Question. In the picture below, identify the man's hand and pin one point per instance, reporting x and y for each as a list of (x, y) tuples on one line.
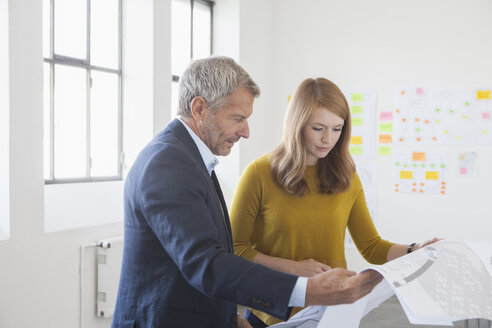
[(339, 286), (242, 323), (309, 268)]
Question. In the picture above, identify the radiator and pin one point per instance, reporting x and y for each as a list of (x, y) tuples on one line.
[(109, 256)]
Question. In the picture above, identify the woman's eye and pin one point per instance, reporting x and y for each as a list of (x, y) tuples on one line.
[(317, 129)]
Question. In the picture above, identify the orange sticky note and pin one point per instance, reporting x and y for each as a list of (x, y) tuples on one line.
[(406, 175), (356, 140), (431, 175), (483, 94), (385, 138), (418, 156)]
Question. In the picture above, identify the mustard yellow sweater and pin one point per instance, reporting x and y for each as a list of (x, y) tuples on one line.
[(266, 219)]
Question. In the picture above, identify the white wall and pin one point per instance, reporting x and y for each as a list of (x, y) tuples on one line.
[(383, 45), (39, 275), (4, 122)]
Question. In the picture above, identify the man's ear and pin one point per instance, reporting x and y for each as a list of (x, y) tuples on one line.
[(198, 106)]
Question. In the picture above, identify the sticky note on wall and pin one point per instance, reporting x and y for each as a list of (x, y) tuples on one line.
[(357, 121), (386, 127), (357, 97), (357, 110), (418, 156), (384, 151), (356, 140), (483, 94), (386, 116), (355, 150), (406, 175), (385, 138), (431, 175)]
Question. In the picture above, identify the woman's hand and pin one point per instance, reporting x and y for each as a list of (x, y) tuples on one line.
[(309, 268), (425, 243)]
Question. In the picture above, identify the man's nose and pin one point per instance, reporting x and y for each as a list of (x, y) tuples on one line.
[(244, 132)]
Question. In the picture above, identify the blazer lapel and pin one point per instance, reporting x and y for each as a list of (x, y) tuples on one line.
[(177, 128)]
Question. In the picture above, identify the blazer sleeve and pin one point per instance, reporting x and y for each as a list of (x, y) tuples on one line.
[(175, 200), (362, 230), (245, 210)]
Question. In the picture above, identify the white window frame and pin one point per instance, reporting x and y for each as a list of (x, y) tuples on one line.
[(56, 59)]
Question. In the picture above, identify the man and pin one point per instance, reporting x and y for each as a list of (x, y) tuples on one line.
[(178, 265)]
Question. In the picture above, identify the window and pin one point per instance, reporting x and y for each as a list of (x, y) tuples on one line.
[(82, 90), (191, 37)]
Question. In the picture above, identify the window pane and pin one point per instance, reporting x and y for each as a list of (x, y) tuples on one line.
[(181, 35), (104, 124), (70, 122), (201, 30), (174, 97), (47, 126), (46, 28), (104, 33), (71, 28)]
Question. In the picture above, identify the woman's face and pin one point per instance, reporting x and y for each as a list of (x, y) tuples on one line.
[(321, 133)]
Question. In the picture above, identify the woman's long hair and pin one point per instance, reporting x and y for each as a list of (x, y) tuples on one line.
[(288, 160)]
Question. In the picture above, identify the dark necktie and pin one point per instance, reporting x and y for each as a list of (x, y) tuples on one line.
[(224, 209), (221, 196)]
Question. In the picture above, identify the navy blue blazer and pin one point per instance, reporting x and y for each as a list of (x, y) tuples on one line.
[(178, 266)]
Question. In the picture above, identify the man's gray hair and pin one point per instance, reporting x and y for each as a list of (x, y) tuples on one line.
[(213, 79)]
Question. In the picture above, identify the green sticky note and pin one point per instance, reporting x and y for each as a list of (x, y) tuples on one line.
[(357, 110), (405, 165), (355, 150), (433, 165), (385, 127), (414, 165), (443, 166), (357, 97), (438, 110), (397, 163), (357, 121), (385, 151), (422, 165)]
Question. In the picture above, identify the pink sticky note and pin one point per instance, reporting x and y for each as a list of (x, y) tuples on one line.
[(386, 116), (485, 115), (463, 170), (420, 91)]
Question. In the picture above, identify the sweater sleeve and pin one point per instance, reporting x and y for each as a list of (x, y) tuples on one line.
[(244, 211), (361, 227)]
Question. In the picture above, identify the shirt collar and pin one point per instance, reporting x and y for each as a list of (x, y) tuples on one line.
[(208, 157)]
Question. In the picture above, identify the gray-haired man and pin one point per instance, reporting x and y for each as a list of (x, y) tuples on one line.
[(178, 267)]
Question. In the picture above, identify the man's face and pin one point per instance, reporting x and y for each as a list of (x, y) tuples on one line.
[(222, 128)]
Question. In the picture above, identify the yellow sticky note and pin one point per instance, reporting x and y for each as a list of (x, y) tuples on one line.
[(288, 99), (406, 175), (418, 156), (356, 140), (483, 94), (385, 127), (385, 138), (357, 97), (357, 121), (357, 110), (431, 175), (384, 151), (355, 150)]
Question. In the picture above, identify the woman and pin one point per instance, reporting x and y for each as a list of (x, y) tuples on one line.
[(292, 207)]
